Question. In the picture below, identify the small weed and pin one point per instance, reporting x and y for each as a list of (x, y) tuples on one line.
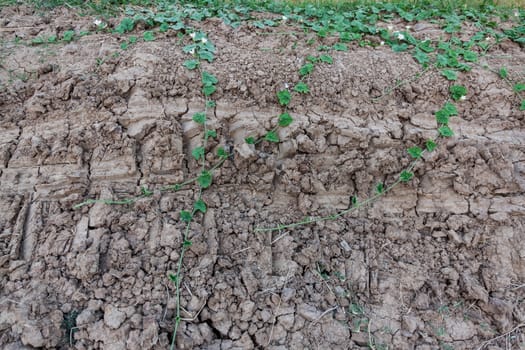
[(69, 324)]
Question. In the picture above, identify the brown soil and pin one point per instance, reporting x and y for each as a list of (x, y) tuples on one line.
[(437, 262)]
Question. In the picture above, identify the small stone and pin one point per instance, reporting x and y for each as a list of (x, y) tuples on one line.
[(422, 302), (287, 294), (265, 315), (409, 324), (308, 312), (7, 318), (460, 329), (247, 308), (113, 317), (336, 332), (85, 317), (31, 335), (360, 338)]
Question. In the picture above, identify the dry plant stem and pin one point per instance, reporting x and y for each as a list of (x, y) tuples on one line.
[(177, 284), (414, 78), (370, 340), (273, 323), (485, 343), (358, 205)]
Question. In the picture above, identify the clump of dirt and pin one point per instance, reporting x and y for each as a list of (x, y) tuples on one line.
[(437, 261)]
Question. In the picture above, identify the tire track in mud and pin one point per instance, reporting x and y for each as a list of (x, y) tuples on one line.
[(452, 234)]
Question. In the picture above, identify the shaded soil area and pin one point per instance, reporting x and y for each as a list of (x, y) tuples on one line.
[(438, 262)]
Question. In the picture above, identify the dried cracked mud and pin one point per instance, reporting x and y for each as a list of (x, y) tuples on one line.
[(438, 262)]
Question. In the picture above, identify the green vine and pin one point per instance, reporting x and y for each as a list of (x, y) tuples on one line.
[(450, 58)]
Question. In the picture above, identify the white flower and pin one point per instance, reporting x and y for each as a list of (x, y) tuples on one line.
[(97, 22), (286, 86), (400, 36), (463, 98), (516, 14), (390, 27), (284, 18), (382, 43), (192, 35), (192, 51), (408, 27), (204, 40)]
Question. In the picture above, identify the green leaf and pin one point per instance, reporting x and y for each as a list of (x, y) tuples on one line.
[(522, 106), (356, 309), (206, 55), (463, 67), (470, 56), (199, 118), (445, 131), (209, 79), (421, 57), (271, 136), (399, 47), (415, 152), (198, 152), (302, 88), (132, 39), (519, 87), (200, 205), (186, 216), (173, 278), (380, 188), (250, 140), (426, 46), (458, 91), (211, 133), (211, 104), (148, 36), (503, 73), (186, 243), (208, 90), (285, 119), (189, 48), (449, 74), (442, 116), (326, 59), (221, 153), (124, 45), (354, 200), (126, 25), (347, 36), (311, 58), (204, 180), (430, 145), (164, 27), (191, 64), (37, 41), (68, 35), (340, 47), (284, 97), (406, 176), (450, 109), (444, 61), (306, 69)]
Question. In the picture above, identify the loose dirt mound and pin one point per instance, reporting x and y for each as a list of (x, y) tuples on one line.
[(438, 262)]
